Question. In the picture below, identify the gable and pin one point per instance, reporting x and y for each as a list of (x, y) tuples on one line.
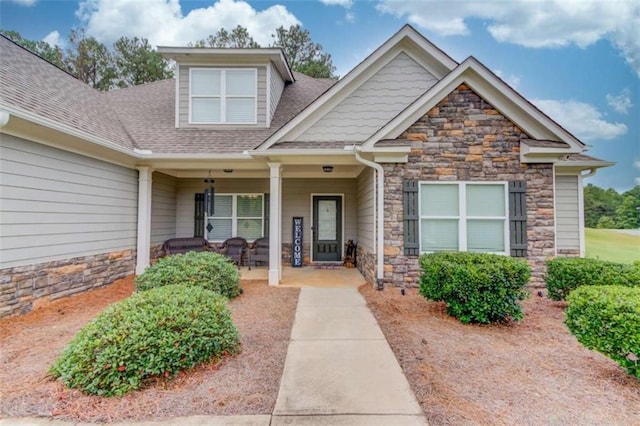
[(486, 84), (397, 84)]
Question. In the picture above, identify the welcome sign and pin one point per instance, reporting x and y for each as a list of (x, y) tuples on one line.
[(296, 255)]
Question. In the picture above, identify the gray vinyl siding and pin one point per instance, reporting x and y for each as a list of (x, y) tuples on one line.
[(163, 208), (296, 201), (366, 209), (183, 104), (58, 205), (375, 103), (567, 213), (187, 188), (277, 86)]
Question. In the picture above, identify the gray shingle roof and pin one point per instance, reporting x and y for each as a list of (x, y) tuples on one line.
[(32, 84), (147, 112), (136, 117)]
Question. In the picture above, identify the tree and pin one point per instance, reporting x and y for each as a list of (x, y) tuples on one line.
[(303, 54), (239, 37), (41, 48), (90, 61), (599, 202), (137, 63), (605, 222), (628, 212)]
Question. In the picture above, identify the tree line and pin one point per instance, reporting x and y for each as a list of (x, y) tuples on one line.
[(606, 208), (132, 60)]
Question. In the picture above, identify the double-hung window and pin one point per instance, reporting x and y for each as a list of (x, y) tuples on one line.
[(222, 96), (236, 215), (463, 216)]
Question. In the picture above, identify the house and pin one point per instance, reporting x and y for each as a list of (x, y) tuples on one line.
[(410, 152)]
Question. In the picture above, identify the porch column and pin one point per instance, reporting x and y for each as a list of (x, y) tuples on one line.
[(275, 220), (144, 218)]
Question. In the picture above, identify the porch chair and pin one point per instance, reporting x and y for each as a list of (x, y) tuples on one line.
[(259, 252), (234, 249)]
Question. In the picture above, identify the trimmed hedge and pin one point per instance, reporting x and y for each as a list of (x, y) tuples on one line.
[(477, 287), (208, 270), (565, 274), (154, 333), (607, 319)]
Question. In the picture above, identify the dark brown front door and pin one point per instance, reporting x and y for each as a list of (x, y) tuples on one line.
[(327, 228)]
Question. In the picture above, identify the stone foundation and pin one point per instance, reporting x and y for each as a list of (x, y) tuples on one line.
[(156, 253), (24, 287), (367, 265), (287, 249), (569, 252), (464, 138)]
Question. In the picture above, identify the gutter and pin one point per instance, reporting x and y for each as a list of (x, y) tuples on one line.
[(380, 213)]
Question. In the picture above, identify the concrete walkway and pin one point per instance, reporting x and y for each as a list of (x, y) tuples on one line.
[(340, 369)]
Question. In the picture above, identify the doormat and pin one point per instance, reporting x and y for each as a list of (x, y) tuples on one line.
[(330, 266)]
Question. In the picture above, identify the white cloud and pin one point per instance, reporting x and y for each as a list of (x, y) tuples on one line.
[(621, 103), (583, 120), (53, 38), (551, 23), (343, 3), (25, 2), (162, 21), (350, 17), (511, 79)]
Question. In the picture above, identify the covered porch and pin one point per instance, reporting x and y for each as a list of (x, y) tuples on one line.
[(308, 202)]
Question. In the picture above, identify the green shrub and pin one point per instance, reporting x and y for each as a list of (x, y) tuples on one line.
[(476, 287), (565, 274), (607, 319), (205, 269), (154, 333)]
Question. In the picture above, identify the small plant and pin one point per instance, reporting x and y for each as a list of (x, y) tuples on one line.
[(152, 334), (477, 287), (607, 319), (565, 274), (208, 270)]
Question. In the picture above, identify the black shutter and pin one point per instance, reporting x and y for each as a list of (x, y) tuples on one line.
[(198, 216), (518, 218), (266, 214), (411, 231)]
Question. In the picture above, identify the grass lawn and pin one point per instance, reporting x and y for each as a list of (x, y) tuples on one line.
[(609, 244)]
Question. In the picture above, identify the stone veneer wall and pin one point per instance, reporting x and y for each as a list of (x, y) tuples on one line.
[(367, 265), (464, 138), (568, 252), (22, 288)]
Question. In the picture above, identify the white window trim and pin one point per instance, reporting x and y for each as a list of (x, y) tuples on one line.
[(223, 96), (234, 214), (462, 207)]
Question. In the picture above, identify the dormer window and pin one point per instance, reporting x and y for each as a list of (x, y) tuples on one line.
[(222, 96)]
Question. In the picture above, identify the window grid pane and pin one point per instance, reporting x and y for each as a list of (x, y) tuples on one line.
[(250, 206), (485, 200), (205, 83), (205, 110), (221, 229), (240, 83), (439, 200), (439, 234), (485, 235), (241, 110), (250, 229), (223, 206)]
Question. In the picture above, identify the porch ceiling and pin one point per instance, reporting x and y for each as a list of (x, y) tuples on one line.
[(288, 171)]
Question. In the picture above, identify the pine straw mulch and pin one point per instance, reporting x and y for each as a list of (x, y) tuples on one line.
[(531, 372), (243, 384)]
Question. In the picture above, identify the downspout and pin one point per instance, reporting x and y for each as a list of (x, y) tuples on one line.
[(380, 215)]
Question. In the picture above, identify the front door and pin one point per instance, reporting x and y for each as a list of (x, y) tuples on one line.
[(327, 228)]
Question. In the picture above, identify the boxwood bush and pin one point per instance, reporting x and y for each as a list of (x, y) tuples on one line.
[(607, 319), (154, 333), (476, 287), (208, 270), (565, 274)]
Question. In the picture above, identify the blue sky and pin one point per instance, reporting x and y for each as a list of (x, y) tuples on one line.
[(578, 60)]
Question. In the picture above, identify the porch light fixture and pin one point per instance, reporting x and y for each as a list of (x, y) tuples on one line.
[(327, 169), (227, 170), (209, 196)]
